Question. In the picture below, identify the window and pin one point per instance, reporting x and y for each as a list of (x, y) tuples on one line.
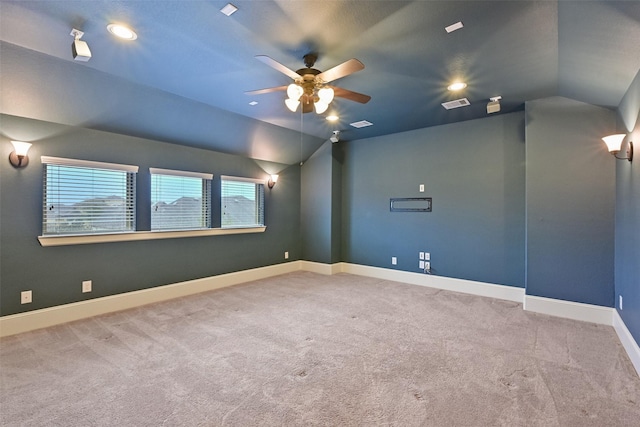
[(180, 200), (242, 202), (84, 197)]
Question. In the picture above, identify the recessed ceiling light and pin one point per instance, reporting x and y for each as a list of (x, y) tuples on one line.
[(361, 124), (122, 31), (451, 28), (332, 118), (253, 103), (457, 86), (229, 9)]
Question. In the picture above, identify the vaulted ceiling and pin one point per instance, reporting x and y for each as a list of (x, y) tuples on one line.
[(184, 79)]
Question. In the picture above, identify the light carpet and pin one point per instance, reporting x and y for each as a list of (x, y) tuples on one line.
[(304, 349)]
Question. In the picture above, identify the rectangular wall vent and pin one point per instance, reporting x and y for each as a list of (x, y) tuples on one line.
[(462, 102)]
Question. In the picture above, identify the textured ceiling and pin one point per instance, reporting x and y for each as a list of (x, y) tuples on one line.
[(183, 80)]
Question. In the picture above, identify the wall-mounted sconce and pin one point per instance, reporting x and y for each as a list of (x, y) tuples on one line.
[(272, 181), (18, 157), (614, 143)]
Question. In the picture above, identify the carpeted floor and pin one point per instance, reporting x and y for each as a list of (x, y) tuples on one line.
[(310, 350)]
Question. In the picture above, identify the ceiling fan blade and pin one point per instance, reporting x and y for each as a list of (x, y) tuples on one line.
[(277, 66), (350, 95), (344, 69), (267, 90)]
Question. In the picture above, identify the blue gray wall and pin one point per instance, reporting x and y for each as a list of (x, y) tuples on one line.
[(627, 265), (315, 220), (474, 171), (321, 205), (55, 274), (570, 201)]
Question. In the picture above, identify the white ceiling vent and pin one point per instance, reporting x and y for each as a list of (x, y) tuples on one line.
[(462, 102), (453, 27), (361, 124)]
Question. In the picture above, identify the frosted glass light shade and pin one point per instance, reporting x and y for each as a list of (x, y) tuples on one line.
[(292, 104), (614, 142), (321, 107), (21, 148), (326, 95), (294, 91)]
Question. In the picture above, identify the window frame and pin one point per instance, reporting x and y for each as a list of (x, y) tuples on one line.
[(130, 215), (206, 205), (260, 195)]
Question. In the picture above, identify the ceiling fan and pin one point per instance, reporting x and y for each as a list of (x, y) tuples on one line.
[(310, 87)]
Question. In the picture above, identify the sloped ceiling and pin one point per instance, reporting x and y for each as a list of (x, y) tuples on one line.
[(183, 80)]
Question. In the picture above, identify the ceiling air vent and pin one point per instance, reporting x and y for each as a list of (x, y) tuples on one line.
[(462, 102), (361, 124)]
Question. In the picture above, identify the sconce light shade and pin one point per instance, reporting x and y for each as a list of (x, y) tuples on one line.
[(18, 158), (614, 144), (272, 181)]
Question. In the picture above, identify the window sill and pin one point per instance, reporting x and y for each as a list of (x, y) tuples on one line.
[(141, 235)]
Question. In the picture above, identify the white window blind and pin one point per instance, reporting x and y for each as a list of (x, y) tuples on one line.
[(85, 197), (180, 200), (242, 202)]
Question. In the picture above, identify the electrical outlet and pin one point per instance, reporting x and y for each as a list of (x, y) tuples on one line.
[(427, 256), (620, 299), (394, 260), (422, 188), (86, 286), (26, 297), (286, 255)]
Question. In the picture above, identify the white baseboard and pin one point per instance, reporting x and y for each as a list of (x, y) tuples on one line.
[(320, 268), (569, 310), (37, 319), (508, 293), (629, 344)]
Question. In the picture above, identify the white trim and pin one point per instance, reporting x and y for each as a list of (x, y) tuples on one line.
[(569, 310), (87, 164), (243, 179), (321, 268), (142, 235), (629, 344), (171, 172), (509, 293), (37, 319)]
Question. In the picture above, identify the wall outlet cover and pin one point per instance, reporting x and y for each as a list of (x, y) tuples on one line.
[(26, 297), (86, 286)]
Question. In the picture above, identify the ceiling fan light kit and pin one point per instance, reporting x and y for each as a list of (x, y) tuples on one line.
[(310, 86)]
